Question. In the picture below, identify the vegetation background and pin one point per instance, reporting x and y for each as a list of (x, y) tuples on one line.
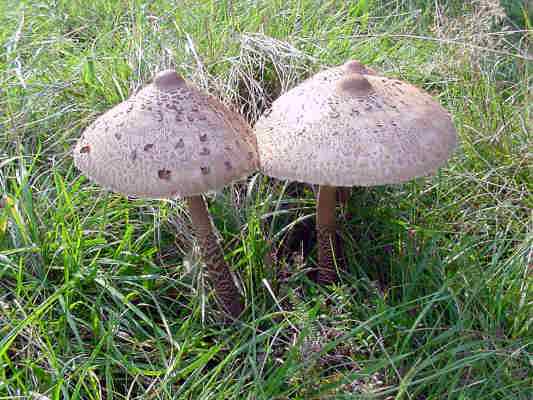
[(102, 297)]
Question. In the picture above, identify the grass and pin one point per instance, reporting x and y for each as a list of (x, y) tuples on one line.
[(103, 297)]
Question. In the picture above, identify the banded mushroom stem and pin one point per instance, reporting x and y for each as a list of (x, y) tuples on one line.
[(213, 256), (326, 228)]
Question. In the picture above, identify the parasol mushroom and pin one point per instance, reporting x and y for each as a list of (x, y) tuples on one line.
[(171, 140), (347, 126)]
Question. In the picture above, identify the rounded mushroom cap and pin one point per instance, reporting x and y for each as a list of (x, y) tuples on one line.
[(168, 140), (348, 126)]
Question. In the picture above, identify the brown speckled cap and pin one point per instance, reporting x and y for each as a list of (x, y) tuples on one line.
[(348, 126), (169, 140)]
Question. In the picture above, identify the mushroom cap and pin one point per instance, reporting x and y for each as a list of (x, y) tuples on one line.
[(348, 126), (168, 140)]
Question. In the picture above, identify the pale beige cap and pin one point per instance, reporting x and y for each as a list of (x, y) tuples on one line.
[(169, 140), (348, 126)]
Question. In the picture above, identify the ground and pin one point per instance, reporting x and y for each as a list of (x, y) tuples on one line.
[(103, 297)]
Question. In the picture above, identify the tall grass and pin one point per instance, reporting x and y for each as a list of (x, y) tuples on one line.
[(103, 297)]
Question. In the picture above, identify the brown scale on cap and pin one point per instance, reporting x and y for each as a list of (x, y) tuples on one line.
[(164, 174)]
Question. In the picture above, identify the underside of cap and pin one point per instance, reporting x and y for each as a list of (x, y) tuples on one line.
[(167, 143), (344, 128)]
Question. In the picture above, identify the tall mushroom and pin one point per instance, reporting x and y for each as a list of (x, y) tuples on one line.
[(170, 140), (346, 126)]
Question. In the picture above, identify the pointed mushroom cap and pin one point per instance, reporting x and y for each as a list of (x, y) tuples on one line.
[(168, 140), (348, 126)]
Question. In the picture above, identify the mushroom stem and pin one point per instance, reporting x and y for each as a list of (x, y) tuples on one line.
[(219, 273), (343, 196), (326, 234)]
